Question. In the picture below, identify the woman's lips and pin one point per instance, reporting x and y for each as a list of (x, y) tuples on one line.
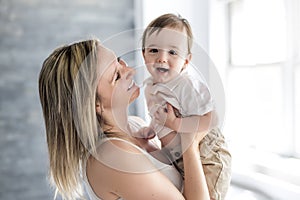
[(131, 85)]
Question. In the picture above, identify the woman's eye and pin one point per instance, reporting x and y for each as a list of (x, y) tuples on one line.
[(118, 76), (153, 50), (172, 52)]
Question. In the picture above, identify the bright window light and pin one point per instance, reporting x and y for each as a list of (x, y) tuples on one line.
[(258, 32)]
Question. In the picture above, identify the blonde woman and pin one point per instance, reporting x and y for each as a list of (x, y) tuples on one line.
[(85, 92)]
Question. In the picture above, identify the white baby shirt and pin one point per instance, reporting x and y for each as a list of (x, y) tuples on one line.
[(189, 95)]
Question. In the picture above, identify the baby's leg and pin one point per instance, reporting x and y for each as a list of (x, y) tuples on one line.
[(216, 162)]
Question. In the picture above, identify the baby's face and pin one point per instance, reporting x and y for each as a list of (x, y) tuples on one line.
[(166, 54)]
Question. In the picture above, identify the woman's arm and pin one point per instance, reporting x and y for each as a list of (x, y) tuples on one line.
[(195, 182)]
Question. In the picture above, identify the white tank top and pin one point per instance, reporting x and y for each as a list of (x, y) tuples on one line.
[(168, 170)]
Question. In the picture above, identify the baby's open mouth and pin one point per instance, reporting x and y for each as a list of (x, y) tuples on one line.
[(161, 69)]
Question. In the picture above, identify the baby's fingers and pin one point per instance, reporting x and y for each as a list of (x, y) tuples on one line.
[(160, 115), (169, 108)]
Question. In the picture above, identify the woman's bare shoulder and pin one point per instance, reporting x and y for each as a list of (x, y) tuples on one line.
[(123, 156), (123, 166)]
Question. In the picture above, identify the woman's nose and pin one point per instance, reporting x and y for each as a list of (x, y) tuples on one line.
[(129, 72), (122, 62)]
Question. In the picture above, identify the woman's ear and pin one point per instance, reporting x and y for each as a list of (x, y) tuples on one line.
[(98, 107)]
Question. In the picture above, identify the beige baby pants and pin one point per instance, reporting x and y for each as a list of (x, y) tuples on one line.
[(216, 162)]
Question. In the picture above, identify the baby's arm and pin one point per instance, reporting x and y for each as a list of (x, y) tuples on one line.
[(195, 123)]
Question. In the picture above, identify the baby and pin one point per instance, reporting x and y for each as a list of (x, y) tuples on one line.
[(166, 48)]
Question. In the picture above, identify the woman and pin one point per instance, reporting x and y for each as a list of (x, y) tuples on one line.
[(85, 92)]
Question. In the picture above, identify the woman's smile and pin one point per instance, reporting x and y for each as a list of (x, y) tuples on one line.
[(131, 84)]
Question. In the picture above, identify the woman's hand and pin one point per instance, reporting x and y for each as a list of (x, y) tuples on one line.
[(144, 133)]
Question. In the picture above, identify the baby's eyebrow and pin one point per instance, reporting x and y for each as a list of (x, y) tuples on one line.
[(174, 47), (151, 46)]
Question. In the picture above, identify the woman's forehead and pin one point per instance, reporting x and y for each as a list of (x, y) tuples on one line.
[(105, 59)]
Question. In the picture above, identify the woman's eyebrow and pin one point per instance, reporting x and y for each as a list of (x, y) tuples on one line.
[(115, 71)]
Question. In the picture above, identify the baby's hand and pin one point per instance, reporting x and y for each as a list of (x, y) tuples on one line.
[(166, 116), (145, 132)]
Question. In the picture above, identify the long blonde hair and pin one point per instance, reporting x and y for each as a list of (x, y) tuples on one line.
[(67, 88)]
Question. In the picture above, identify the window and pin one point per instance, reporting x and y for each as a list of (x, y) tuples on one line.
[(297, 105), (258, 32), (263, 77)]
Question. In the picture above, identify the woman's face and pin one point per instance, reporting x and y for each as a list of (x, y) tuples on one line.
[(116, 87)]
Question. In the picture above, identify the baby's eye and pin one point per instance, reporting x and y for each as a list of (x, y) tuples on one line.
[(172, 52), (153, 50)]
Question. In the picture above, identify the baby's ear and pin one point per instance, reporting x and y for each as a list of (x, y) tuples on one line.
[(187, 60)]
